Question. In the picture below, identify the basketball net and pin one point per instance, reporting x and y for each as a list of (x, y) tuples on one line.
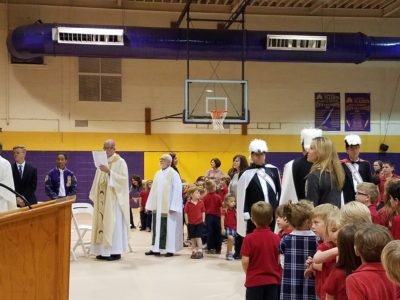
[(218, 117)]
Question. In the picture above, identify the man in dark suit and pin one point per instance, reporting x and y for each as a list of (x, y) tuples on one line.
[(25, 176), (356, 170)]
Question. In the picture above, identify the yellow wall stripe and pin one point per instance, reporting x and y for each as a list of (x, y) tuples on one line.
[(78, 141)]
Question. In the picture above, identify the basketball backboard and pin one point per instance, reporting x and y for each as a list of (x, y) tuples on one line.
[(203, 96)]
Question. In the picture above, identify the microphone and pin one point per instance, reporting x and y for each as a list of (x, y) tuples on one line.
[(27, 203)]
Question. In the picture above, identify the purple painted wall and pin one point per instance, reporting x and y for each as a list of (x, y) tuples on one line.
[(80, 162)]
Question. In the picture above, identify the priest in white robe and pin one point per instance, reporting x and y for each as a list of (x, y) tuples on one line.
[(166, 203), (110, 195), (8, 200)]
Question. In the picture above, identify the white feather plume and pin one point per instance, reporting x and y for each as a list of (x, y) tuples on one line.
[(307, 134), (353, 139), (258, 146)]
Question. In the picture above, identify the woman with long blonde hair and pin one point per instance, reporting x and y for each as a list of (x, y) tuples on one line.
[(325, 181)]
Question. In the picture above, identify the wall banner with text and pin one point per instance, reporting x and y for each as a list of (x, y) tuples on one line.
[(357, 112), (327, 111)]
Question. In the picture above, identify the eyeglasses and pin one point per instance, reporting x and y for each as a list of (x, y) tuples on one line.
[(361, 193), (108, 148)]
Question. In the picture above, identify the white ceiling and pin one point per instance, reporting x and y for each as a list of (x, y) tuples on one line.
[(338, 8)]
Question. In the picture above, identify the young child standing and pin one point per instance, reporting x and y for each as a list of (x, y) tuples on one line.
[(260, 256), (228, 223), (391, 261), (297, 246), (369, 281), (213, 204), (394, 198), (367, 194), (325, 217), (281, 222), (195, 217), (348, 261), (145, 215)]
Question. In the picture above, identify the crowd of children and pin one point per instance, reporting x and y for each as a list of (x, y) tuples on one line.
[(320, 252), (327, 252)]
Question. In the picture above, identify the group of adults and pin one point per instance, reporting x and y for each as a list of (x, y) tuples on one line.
[(21, 177), (318, 175)]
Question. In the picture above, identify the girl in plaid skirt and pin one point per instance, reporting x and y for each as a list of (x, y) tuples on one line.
[(296, 247)]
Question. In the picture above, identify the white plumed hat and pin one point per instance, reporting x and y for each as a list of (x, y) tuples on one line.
[(308, 134), (258, 146), (352, 140)]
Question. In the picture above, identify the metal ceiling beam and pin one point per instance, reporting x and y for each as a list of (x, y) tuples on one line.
[(391, 9), (240, 9), (183, 14), (316, 6)]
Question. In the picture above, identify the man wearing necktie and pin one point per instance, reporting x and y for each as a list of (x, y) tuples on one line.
[(25, 176), (357, 170)]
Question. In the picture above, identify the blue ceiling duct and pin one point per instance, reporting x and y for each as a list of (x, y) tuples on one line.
[(27, 42)]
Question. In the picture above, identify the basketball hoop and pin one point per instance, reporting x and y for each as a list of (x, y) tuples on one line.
[(218, 117)]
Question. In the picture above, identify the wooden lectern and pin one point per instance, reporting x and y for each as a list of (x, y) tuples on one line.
[(35, 252)]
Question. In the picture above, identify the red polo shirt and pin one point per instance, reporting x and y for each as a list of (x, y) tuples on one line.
[(327, 266), (230, 218), (213, 204), (374, 214), (262, 247), (396, 228), (335, 284), (369, 281), (194, 212)]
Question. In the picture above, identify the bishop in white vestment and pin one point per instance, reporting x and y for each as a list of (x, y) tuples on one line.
[(165, 202)]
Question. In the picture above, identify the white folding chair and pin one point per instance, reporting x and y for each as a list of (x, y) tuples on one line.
[(78, 210)]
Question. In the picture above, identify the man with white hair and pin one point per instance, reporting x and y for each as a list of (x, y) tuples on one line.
[(356, 169), (110, 195), (295, 171), (166, 203), (260, 182)]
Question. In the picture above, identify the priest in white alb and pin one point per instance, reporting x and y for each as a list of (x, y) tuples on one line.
[(8, 200), (165, 202), (110, 195)]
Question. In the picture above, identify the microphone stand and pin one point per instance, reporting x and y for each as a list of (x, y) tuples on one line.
[(27, 203)]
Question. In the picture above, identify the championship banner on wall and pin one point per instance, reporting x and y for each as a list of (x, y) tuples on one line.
[(357, 112), (327, 111)]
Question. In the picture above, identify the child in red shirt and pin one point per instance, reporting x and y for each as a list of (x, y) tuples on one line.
[(228, 224), (145, 215), (325, 219), (391, 262), (394, 196), (369, 281), (367, 194), (260, 255), (213, 203), (195, 217), (281, 222), (348, 261), (222, 186)]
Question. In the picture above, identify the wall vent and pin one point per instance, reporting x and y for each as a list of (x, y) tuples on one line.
[(81, 123), (296, 42), (88, 36)]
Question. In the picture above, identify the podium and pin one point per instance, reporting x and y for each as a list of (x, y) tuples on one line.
[(35, 252)]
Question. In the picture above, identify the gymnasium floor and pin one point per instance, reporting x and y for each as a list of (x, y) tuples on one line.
[(137, 276)]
